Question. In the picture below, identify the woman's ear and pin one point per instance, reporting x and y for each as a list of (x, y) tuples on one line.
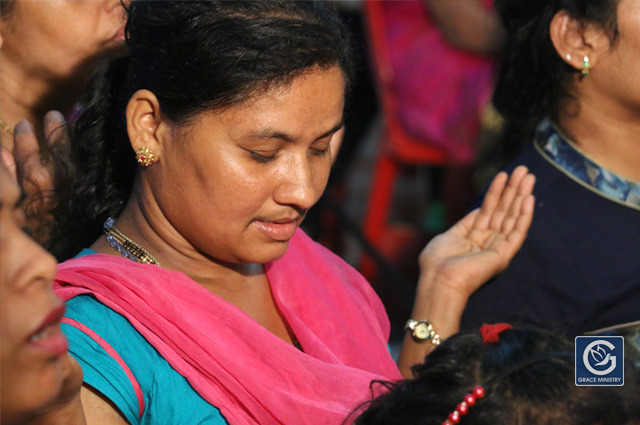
[(574, 40), (146, 125)]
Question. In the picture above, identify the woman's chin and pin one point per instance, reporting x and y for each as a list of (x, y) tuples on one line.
[(267, 253), (30, 400)]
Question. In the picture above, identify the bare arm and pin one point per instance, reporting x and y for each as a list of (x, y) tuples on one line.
[(456, 263), (466, 24)]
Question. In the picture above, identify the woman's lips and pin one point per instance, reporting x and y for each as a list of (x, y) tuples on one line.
[(279, 230), (49, 337)]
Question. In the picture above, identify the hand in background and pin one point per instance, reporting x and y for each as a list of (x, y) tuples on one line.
[(37, 166), (456, 263), (483, 243)]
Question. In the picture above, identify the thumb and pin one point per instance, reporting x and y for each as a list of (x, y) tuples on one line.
[(9, 161)]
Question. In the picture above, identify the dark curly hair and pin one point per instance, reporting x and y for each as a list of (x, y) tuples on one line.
[(195, 56), (533, 79), (528, 377)]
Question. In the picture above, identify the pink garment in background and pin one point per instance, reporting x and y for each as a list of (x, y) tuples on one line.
[(235, 364), (441, 90)]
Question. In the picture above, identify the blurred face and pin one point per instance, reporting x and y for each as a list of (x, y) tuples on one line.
[(62, 38), (236, 184), (31, 342), (615, 74)]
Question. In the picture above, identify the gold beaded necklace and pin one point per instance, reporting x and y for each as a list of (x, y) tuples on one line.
[(125, 246)]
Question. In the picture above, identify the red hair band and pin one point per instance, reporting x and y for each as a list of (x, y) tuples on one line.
[(491, 333)]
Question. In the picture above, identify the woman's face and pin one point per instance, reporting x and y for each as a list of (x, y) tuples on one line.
[(32, 345), (57, 39), (237, 183), (615, 75)]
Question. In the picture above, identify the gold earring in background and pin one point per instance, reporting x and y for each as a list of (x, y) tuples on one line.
[(145, 157)]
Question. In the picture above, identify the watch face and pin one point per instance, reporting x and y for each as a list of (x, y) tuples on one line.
[(421, 331)]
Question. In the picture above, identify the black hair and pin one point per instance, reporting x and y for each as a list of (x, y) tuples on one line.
[(6, 6), (533, 80), (528, 376), (195, 56)]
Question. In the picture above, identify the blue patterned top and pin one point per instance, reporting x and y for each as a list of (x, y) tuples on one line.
[(567, 157)]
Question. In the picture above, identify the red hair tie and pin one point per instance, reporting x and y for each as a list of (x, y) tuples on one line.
[(491, 333)]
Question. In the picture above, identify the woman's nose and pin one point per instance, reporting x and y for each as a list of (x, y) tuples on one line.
[(296, 186)]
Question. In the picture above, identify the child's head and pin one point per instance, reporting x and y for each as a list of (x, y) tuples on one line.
[(528, 376)]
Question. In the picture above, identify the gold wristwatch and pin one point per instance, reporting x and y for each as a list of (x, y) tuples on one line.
[(422, 331)]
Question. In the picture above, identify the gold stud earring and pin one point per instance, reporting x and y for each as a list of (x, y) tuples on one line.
[(585, 66), (145, 157)]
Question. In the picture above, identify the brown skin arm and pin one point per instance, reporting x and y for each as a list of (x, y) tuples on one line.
[(467, 25), (456, 263)]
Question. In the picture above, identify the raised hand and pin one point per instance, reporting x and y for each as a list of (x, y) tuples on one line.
[(482, 243), (456, 263), (37, 169)]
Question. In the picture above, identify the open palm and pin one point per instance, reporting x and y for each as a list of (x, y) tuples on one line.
[(483, 242)]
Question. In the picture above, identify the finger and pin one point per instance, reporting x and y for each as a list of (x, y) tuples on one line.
[(9, 161), (507, 197), (515, 238), (25, 146), (32, 174), (491, 199), (56, 133), (515, 210), (526, 215)]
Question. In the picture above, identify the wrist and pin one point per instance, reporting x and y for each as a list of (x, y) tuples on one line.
[(441, 304)]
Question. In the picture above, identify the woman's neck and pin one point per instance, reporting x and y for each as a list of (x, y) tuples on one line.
[(28, 95), (143, 222), (607, 133), (244, 285)]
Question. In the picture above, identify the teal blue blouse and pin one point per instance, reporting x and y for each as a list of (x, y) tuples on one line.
[(167, 396)]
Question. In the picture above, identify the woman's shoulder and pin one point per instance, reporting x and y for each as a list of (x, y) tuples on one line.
[(121, 364)]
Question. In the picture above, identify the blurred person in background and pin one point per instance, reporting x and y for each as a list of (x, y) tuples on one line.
[(48, 51), (442, 54), (39, 380), (569, 92)]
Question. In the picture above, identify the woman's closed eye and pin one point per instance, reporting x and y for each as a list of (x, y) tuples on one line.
[(320, 149), (262, 156)]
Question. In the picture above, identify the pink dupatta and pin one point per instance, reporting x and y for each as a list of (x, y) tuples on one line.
[(248, 373)]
